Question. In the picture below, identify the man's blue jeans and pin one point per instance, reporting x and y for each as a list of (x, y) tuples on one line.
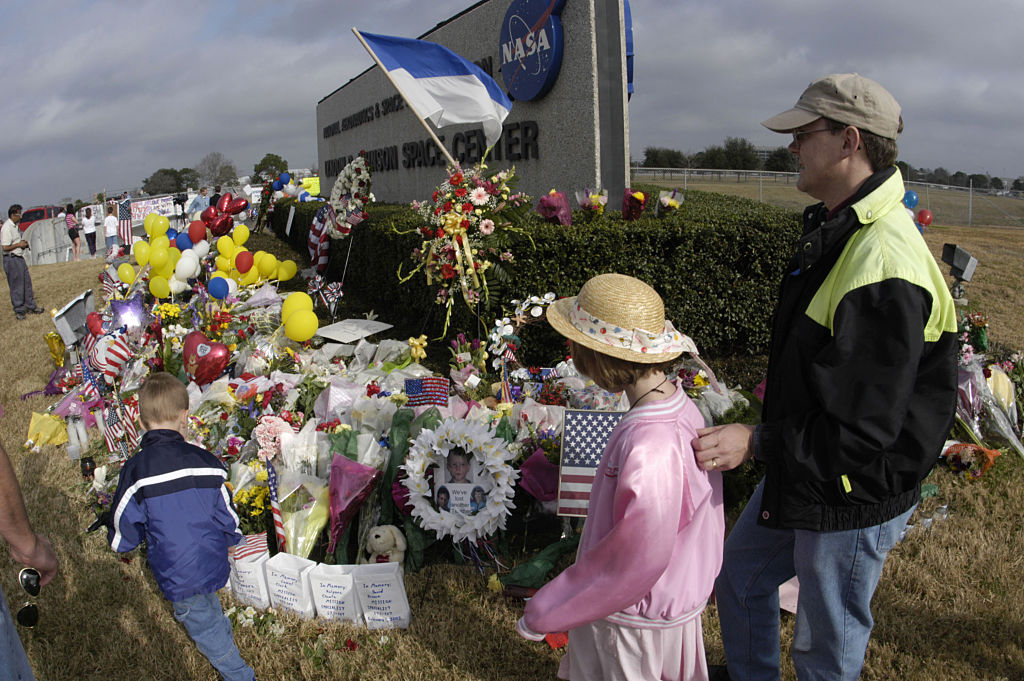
[(205, 622), (838, 573)]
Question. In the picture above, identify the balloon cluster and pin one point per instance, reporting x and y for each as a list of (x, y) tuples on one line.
[(236, 265), (285, 185), (173, 257), (220, 218), (300, 322), (923, 217)]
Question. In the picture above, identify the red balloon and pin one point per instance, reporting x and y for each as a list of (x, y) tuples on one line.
[(197, 231), (208, 215), (924, 217), (95, 323), (243, 261), (204, 360), (224, 201), (236, 206), (221, 224)]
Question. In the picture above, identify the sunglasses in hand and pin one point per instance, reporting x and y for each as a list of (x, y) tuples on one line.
[(28, 614)]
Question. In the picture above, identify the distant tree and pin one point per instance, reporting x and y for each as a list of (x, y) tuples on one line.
[(906, 170), (958, 179), (939, 176), (740, 154), (215, 168), (269, 167), (979, 181), (781, 160), (996, 183), (712, 157), (163, 181), (1018, 184), (187, 177)]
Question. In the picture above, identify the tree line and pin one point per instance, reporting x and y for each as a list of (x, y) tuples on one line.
[(211, 170), (737, 153)]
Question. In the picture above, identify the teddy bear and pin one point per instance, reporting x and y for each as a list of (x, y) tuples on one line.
[(385, 544)]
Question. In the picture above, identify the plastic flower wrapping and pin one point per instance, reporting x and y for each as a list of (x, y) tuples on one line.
[(633, 203), (554, 207), (669, 201), (592, 202)]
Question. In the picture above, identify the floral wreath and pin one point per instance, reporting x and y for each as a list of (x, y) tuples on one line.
[(349, 196), (431, 448)]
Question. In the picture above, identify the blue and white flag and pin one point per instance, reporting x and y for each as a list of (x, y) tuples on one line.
[(442, 86)]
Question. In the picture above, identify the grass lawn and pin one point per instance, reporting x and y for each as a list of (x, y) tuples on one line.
[(948, 608)]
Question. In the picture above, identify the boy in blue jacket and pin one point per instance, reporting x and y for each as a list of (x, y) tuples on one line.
[(172, 495)]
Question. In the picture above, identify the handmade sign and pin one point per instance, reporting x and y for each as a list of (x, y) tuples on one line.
[(249, 581), (334, 593), (382, 595), (288, 583)]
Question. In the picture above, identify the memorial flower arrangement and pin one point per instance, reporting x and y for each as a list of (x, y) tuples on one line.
[(592, 202), (349, 196), (462, 219), (669, 201), (633, 204)]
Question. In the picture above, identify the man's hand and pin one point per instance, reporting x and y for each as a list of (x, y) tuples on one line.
[(40, 556), (722, 448)]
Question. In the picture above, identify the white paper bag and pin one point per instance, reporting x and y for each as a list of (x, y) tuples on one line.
[(288, 583), (249, 582), (334, 593), (381, 592)]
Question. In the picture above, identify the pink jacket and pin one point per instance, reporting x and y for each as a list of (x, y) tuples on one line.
[(652, 543)]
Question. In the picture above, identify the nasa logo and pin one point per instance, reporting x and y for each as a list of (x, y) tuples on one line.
[(531, 47)]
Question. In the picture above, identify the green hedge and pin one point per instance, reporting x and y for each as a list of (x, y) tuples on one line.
[(716, 262)]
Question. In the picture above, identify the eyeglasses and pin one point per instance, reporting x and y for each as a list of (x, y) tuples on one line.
[(799, 135), (28, 615)]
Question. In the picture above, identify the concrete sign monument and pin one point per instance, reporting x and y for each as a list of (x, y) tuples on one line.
[(562, 62)]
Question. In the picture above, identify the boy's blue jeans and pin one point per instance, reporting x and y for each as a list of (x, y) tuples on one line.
[(838, 573), (205, 622), (13, 662)]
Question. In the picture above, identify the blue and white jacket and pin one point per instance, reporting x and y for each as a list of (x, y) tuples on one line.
[(172, 494)]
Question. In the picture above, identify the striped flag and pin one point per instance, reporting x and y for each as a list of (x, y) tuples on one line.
[(251, 545), (118, 352), (124, 221), (130, 408), (113, 429), (275, 508), (584, 437), (429, 390), (319, 243), (90, 388)]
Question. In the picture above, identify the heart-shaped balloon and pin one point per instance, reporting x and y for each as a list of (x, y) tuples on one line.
[(221, 224), (236, 206), (204, 359), (94, 321), (224, 201), (208, 215)]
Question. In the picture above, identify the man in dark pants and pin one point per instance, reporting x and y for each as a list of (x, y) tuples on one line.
[(18, 278), (861, 393)]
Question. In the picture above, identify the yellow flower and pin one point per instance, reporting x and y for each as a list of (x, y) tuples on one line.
[(639, 196)]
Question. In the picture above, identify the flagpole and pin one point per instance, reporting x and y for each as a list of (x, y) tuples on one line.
[(407, 102)]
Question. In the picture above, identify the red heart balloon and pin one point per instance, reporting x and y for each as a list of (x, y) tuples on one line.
[(224, 201), (222, 224), (94, 321), (236, 206), (204, 360), (197, 231), (208, 215)]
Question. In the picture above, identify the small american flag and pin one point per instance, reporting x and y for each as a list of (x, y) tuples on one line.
[(90, 389), (110, 286), (319, 243), (113, 432), (429, 390), (124, 221), (130, 409), (584, 437), (275, 508), (251, 545)]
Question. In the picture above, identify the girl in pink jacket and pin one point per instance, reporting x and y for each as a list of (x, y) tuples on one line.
[(652, 543)]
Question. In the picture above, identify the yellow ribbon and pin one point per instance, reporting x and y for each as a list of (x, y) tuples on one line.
[(418, 347)]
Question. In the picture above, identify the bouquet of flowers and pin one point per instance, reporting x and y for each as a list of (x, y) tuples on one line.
[(592, 202), (554, 207), (975, 326), (668, 201), (633, 204), (469, 353), (461, 220)]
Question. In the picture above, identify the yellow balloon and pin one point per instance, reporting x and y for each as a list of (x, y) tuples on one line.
[(147, 224), (240, 235), (223, 264), (175, 255), (256, 257), (160, 225), (167, 270), (267, 264), (159, 287), (158, 256), (250, 277), (126, 273), (299, 300), (141, 251), (286, 269), (158, 241), (225, 246), (301, 325)]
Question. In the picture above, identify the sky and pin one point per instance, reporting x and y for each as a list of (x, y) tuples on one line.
[(97, 95)]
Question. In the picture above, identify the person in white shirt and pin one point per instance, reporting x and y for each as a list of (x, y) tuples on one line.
[(18, 279), (89, 230), (110, 229)]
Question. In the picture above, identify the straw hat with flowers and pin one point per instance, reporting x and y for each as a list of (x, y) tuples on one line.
[(622, 317)]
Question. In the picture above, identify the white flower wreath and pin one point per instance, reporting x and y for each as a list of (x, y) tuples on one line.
[(348, 196), (490, 455)]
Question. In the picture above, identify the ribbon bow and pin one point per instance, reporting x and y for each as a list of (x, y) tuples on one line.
[(418, 347)]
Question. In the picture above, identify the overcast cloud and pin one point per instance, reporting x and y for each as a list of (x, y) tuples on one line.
[(98, 95)]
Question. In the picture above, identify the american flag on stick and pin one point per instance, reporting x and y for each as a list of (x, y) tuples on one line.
[(319, 243), (275, 508), (251, 545), (584, 437), (124, 221)]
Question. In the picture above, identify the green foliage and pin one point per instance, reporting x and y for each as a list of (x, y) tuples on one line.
[(781, 160), (169, 181), (659, 157), (717, 262), (269, 167)]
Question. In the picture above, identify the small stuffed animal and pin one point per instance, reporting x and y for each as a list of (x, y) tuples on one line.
[(386, 544)]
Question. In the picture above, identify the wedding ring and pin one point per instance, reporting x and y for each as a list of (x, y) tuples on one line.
[(714, 462)]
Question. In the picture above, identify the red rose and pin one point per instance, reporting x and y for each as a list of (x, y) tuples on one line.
[(440, 233), (467, 208), (447, 271), (447, 206), (460, 192), (435, 196), (464, 224), (455, 179)]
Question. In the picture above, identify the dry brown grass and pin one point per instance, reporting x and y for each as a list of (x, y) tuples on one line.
[(948, 607)]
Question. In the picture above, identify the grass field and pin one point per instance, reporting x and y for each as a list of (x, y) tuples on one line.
[(948, 608)]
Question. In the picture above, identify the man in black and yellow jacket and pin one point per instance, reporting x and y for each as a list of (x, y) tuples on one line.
[(861, 393)]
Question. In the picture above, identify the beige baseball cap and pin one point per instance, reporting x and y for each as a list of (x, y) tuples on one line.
[(846, 98)]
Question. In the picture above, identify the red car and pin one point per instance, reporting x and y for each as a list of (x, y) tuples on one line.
[(30, 215)]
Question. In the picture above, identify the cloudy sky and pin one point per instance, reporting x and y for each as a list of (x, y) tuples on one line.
[(96, 95)]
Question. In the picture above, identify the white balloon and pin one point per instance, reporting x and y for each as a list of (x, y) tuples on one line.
[(232, 286), (278, 195), (292, 189), (186, 267), (177, 285), (201, 249)]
